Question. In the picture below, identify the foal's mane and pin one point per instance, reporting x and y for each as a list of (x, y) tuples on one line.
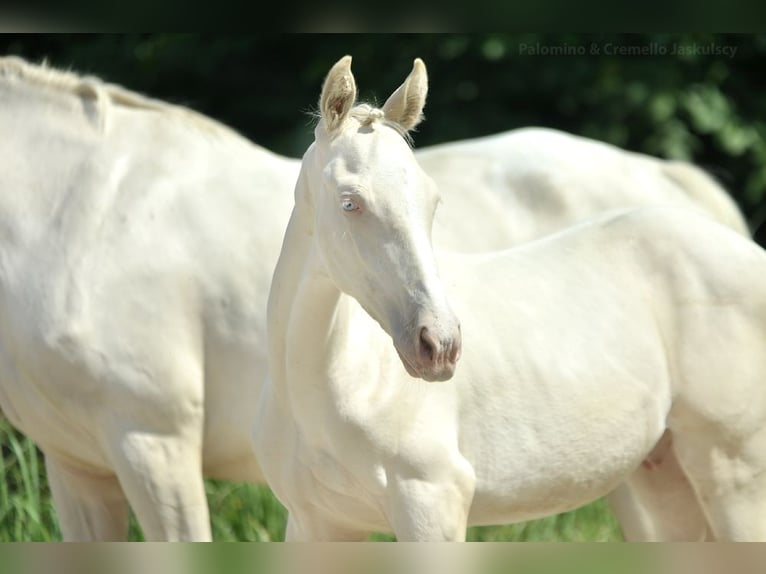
[(367, 114), (102, 93)]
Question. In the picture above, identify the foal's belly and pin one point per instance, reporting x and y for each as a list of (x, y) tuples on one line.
[(549, 481), (578, 452), (541, 492)]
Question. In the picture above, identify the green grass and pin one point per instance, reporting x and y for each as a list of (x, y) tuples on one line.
[(26, 509), (240, 512)]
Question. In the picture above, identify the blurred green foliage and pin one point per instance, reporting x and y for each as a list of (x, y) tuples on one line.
[(689, 96)]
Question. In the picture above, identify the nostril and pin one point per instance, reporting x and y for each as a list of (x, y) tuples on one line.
[(427, 345), (457, 347), (454, 355)]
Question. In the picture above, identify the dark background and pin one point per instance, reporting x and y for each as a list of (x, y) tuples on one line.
[(702, 105)]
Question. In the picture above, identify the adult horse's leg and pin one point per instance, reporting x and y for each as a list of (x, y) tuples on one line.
[(90, 507), (162, 478), (657, 503)]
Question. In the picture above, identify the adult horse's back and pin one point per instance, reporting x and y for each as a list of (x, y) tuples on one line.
[(526, 183), (131, 239)]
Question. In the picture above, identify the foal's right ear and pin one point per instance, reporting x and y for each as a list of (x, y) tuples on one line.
[(405, 105), (338, 94)]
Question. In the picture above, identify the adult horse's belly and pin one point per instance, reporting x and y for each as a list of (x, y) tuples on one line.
[(53, 404)]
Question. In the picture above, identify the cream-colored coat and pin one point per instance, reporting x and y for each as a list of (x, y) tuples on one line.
[(573, 357), (137, 244)]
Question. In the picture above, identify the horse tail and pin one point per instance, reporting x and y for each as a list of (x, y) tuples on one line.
[(706, 192)]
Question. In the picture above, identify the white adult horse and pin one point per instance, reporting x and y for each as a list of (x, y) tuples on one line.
[(134, 272), (513, 187), (137, 244), (579, 352)]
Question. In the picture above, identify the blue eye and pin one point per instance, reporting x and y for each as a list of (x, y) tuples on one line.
[(348, 205)]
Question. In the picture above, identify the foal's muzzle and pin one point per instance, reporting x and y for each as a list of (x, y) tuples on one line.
[(436, 352)]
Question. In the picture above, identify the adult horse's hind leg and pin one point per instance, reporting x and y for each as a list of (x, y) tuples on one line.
[(657, 503), (90, 507), (162, 478)]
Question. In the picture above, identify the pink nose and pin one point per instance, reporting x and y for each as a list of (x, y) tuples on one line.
[(438, 354)]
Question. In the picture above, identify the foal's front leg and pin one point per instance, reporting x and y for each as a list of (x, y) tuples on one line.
[(432, 508)]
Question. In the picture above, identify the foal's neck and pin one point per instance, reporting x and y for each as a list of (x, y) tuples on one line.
[(302, 302)]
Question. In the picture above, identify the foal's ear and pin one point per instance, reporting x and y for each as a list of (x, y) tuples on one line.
[(338, 94), (405, 105)]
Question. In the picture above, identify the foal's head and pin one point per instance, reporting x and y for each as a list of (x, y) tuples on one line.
[(374, 207)]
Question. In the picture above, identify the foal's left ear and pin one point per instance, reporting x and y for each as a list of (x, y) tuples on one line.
[(338, 94), (405, 105)]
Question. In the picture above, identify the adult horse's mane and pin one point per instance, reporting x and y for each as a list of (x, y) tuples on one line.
[(102, 93)]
